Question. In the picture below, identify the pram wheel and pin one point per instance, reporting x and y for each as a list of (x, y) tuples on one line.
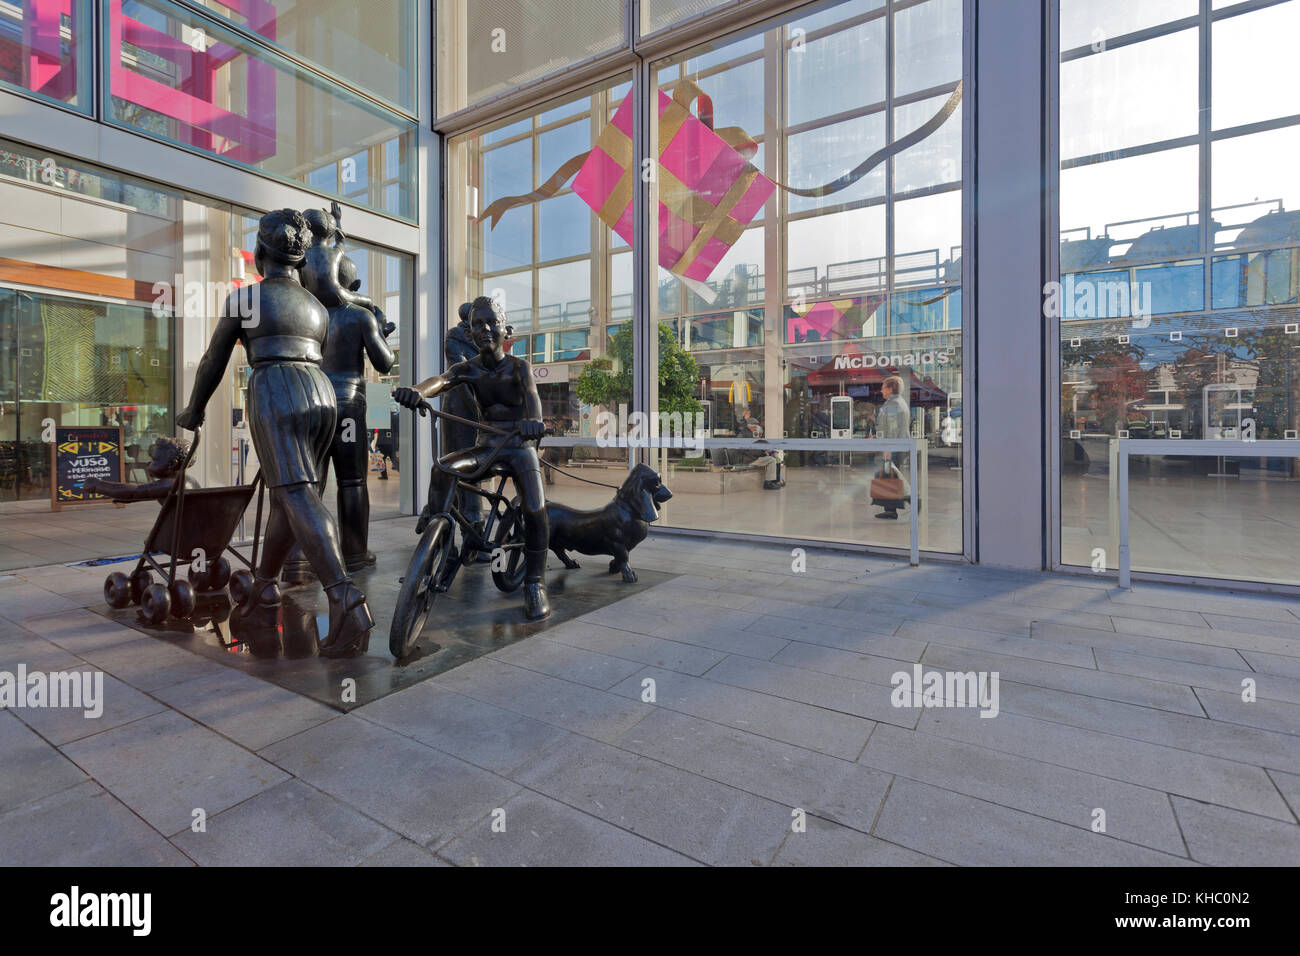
[(218, 574), (117, 590), (155, 605), (140, 582), (182, 598), (241, 585), (213, 577)]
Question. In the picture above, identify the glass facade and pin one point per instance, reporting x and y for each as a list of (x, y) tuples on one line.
[(801, 182), (110, 288), (1180, 271), (809, 198), (45, 50), (176, 76), (521, 231), (370, 45), (787, 292), (486, 47)]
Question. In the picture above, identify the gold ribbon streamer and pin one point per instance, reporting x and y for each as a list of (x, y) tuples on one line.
[(686, 93)]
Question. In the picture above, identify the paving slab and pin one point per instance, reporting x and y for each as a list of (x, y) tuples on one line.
[(33, 769), (1134, 814), (641, 648), (403, 852), (1222, 837), (805, 725), (593, 668), (1267, 714), (843, 695), (482, 734), (604, 715), (82, 826), (1079, 680), (701, 819), (150, 665), (290, 824), (1223, 782), (535, 830), (251, 712), (424, 794), (119, 704), (1200, 735), (950, 636), (166, 766), (971, 832), (1267, 686), (828, 844), (1210, 654), (829, 787)]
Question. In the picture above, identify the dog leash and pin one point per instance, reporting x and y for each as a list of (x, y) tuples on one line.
[(590, 481)]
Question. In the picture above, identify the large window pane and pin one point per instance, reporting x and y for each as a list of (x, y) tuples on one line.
[(806, 304), (184, 80), (372, 45), (1178, 303), (533, 209), (45, 49), (657, 14), (486, 47)]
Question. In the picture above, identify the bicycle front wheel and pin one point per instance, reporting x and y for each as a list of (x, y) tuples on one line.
[(418, 587)]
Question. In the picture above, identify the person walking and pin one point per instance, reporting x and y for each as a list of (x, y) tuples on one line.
[(892, 421)]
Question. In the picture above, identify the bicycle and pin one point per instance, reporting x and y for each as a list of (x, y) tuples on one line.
[(436, 561)]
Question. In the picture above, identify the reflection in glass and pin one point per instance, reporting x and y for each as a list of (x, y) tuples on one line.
[(220, 94), (1178, 304), (45, 49), (812, 304)]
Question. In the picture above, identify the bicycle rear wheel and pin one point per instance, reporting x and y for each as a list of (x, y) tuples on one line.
[(508, 549), (418, 591)]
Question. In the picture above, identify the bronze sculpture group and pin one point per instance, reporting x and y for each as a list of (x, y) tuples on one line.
[(307, 333), (293, 415)]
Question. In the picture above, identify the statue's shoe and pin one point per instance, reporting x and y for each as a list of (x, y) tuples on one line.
[(355, 562), (262, 606), (537, 606), (350, 621)]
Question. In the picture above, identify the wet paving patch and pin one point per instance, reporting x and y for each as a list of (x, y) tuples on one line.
[(471, 619)]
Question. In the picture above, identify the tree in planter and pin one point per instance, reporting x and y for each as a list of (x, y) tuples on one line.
[(607, 380)]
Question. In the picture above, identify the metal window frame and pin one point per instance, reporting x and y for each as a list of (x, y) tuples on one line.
[(1123, 448), (638, 57), (321, 69), (269, 55), (1203, 21)]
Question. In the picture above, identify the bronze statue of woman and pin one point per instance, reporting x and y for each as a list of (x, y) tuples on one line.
[(292, 415)]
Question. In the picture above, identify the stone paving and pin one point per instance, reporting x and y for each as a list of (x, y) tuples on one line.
[(771, 695)]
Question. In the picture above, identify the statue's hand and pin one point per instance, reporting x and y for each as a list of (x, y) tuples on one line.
[(532, 428), (389, 328), (408, 397), (190, 419)]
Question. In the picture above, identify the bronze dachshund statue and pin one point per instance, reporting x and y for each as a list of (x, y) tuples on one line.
[(614, 529)]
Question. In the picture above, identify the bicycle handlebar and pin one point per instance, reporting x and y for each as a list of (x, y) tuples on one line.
[(425, 408)]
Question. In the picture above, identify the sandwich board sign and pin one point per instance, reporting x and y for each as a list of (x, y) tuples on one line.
[(79, 453)]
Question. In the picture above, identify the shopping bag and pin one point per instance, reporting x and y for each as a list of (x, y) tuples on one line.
[(888, 486)]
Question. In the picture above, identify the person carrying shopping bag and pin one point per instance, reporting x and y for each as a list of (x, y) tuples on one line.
[(888, 488)]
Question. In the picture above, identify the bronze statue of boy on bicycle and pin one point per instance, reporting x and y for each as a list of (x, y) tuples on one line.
[(507, 396)]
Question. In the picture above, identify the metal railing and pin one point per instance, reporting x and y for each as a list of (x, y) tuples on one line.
[(1122, 448), (916, 449)]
